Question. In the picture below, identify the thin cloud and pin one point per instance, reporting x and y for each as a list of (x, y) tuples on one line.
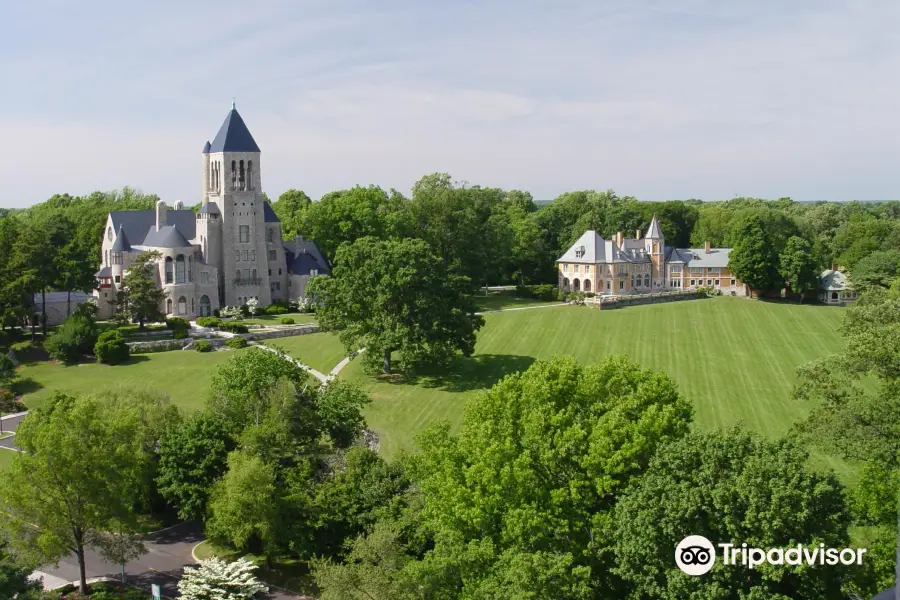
[(684, 98)]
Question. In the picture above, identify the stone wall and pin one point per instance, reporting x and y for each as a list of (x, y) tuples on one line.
[(280, 333)]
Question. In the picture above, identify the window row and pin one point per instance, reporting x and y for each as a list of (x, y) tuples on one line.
[(179, 270), (245, 256)]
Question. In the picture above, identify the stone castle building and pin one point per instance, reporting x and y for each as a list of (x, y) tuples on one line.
[(643, 264), (227, 252)]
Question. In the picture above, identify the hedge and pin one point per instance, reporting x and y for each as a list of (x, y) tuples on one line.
[(111, 348), (234, 327), (287, 321), (178, 323), (203, 346), (236, 342), (209, 322)]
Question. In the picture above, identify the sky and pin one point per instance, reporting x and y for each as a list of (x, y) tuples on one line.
[(657, 99)]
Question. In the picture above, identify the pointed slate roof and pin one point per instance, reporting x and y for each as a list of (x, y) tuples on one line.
[(210, 208), (166, 237), (269, 213), (590, 248), (233, 136), (654, 232), (206, 147), (121, 244), (138, 222)]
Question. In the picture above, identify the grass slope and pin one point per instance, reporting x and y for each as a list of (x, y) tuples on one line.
[(321, 351), (734, 359), (183, 374)]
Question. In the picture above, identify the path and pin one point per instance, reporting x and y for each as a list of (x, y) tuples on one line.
[(169, 551), (321, 377), (10, 423)]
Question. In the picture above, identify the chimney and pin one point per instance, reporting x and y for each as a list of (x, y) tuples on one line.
[(179, 205), (637, 234), (619, 238), (708, 247), (834, 266), (160, 215)]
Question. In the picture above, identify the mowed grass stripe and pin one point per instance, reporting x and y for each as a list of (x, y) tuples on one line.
[(734, 359)]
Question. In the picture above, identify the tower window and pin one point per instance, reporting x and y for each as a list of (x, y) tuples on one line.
[(270, 235), (241, 180), (271, 255), (179, 269), (233, 175), (243, 234), (249, 174), (169, 276)]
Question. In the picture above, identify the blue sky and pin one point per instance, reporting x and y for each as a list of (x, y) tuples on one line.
[(656, 99)]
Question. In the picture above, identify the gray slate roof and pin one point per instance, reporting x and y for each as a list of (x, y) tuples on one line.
[(206, 147), (104, 272), (303, 256), (210, 208), (589, 248), (697, 257), (137, 223), (834, 281), (592, 248), (166, 237), (121, 244), (654, 232), (269, 213), (233, 136)]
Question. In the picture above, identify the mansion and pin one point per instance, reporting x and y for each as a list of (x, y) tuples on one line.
[(229, 251), (641, 265)]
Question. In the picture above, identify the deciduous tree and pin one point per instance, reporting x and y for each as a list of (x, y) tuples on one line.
[(397, 296), (754, 258), (798, 267), (143, 296)]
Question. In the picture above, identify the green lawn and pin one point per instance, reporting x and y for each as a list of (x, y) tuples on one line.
[(321, 351), (497, 301), (6, 457), (183, 374), (276, 319), (735, 359)]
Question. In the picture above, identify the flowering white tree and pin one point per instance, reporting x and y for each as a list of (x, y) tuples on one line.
[(216, 579), (230, 311), (253, 306)]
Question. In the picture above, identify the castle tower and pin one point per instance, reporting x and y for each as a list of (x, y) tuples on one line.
[(234, 188), (654, 244)]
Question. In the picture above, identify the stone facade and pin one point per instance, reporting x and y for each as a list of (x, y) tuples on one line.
[(643, 264), (229, 251)]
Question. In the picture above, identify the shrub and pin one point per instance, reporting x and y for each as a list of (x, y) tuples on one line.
[(235, 327), (287, 321), (524, 291), (209, 322), (277, 310), (176, 323), (111, 348), (217, 313), (203, 346), (236, 342), (179, 334), (8, 402), (244, 310), (576, 298), (561, 295), (231, 312), (589, 294), (75, 338), (544, 291), (7, 370), (302, 305)]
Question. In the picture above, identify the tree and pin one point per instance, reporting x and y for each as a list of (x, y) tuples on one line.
[(14, 576), (7, 371), (339, 406), (243, 505), (729, 486), (754, 258), (216, 579), (291, 207), (59, 490), (143, 297), (111, 348), (520, 500), (73, 340), (192, 456), (397, 296), (876, 270), (118, 546), (798, 267), (241, 387), (253, 306)]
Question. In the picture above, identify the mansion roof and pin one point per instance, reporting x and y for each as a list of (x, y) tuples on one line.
[(137, 224), (834, 281), (591, 248)]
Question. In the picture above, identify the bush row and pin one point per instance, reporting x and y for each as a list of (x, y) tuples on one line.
[(544, 291)]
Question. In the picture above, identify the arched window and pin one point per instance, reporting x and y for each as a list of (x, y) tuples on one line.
[(179, 269), (233, 175), (204, 306), (190, 270), (237, 275), (169, 275), (182, 305), (565, 283), (249, 174), (587, 285), (253, 277), (576, 285), (169, 306), (241, 181)]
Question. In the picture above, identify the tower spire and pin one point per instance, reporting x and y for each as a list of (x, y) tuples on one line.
[(232, 103)]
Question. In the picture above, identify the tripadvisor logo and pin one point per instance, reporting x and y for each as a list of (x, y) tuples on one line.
[(696, 555)]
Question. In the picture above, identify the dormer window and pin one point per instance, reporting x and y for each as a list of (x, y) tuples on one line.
[(579, 252)]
